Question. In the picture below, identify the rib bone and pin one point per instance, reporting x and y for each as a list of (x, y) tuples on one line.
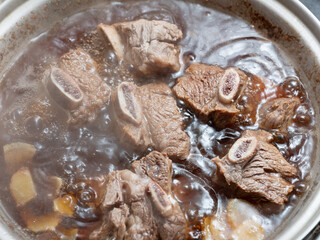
[(64, 89), (114, 38), (129, 104), (160, 199), (228, 86), (243, 150)]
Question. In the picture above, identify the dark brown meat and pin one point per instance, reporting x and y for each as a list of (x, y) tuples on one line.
[(256, 168), (228, 96), (148, 45), (135, 206), (93, 92), (278, 113), (148, 116)]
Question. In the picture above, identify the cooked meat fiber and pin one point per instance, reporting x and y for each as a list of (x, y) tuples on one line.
[(158, 167), (278, 113), (136, 207), (164, 120), (228, 96), (256, 168), (126, 208), (148, 116), (129, 116), (150, 46), (77, 86)]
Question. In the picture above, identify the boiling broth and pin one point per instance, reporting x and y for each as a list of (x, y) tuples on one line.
[(82, 155)]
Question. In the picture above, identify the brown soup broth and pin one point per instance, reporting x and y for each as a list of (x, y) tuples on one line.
[(28, 114)]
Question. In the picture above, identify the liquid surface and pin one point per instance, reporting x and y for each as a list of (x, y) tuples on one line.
[(29, 114)]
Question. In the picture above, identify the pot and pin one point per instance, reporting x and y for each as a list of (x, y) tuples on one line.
[(21, 21)]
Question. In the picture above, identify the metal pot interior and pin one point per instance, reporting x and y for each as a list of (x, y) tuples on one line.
[(21, 21)]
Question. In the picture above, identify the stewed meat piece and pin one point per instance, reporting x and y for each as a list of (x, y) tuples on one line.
[(256, 169), (170, 219), (77, 86), (164, 120), (126, 208), (158, 167), (150, 46), (278, 113), (148, 116), (227, 96), (135, 206)]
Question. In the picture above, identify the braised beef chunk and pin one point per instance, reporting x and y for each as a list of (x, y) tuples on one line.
[(150, 46), (278, 113), (169, 217), (135, 206), (228, 96), (158, 167), (126, 208), (128, 113), (115, 224), (111, 122), (170, 220), (256, 169), (164, 120), (77, 86), (148, 116)]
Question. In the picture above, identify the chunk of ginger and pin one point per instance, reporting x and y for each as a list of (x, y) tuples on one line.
[(39, 223), (47, 222), (239, 221), (55, 184), (248, 230), (239, 211), (17, 155), (70, 234), (22, 187), (65, 205), (216, 227)]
